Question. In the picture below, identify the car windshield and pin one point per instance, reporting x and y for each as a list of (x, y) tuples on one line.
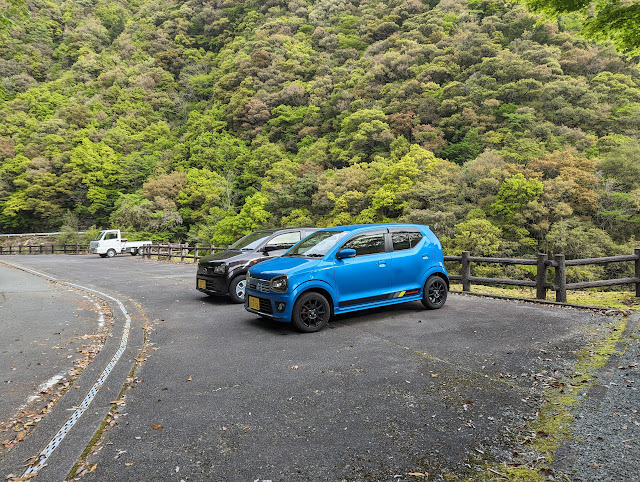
[(317, 244), (98, 236), (251, 241)]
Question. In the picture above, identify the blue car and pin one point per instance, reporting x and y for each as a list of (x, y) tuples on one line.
[(349, 268)]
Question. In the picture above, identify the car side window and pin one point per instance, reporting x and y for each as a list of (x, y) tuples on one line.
[(111, 236), (285, 241), (405, 239), (366, 244)]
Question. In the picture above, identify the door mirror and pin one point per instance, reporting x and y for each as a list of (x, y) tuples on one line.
[(346, 253), (270, 247)]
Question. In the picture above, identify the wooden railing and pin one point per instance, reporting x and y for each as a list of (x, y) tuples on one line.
[(184, 252), (177, 251), (46, 249), (542, 263)]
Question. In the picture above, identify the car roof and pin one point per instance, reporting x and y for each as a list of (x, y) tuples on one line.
[(357, 227)]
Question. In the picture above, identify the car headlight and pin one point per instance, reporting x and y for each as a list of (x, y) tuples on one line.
[(280, 284), (220, 269)]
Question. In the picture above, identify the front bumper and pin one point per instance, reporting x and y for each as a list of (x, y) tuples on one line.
[(269, 304), (212, 285)]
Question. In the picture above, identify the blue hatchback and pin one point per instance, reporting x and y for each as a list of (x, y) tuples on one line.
[(349, 268)]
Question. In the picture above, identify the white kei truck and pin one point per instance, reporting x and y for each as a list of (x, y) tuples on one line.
[(109, 243)]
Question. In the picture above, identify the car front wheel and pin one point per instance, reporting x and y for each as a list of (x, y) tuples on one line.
[(237, 288), (111, 253), (435, 292), (311, 312)]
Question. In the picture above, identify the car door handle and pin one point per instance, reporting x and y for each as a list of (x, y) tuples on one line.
[(425, 256), (382, 264)]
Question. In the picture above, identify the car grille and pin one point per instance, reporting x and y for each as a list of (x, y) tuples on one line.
[(265, 306), (259, 285)]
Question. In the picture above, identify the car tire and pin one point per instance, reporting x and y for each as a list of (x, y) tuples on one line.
[(237, 288), (311, 312), (134, 252), (435, 292), (103, 255), (111, 253)]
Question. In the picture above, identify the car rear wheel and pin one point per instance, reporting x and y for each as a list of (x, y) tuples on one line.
[(311, 312), (435, 292), (111, 253), (237, 288), (134, 252)]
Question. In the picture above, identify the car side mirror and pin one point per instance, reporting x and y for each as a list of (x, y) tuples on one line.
[(346, 253), (269, 247)]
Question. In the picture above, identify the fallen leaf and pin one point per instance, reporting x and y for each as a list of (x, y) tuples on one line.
[(117, 402), (93, 468), (434, 375), (190, 378), (128, 464), (157, 427), (294, 367), (418, 474)]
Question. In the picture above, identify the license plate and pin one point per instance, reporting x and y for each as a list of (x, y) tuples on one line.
[(254, 303), (202, 284)]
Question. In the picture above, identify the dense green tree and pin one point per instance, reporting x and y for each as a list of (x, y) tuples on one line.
[(612, 19)]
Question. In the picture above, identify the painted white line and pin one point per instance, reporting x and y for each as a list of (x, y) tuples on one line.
[(71, 421)]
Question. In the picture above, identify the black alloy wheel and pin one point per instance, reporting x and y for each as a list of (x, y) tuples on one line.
[(435, 292), (311, 312)]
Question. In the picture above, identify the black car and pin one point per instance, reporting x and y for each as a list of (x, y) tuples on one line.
[(223, 272)]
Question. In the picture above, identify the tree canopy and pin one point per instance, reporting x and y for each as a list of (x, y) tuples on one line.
[(201, 121)]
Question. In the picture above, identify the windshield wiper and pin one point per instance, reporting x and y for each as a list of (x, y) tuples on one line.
[(314, 255)]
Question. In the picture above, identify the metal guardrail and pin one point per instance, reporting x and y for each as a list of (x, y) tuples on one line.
[(22, 235)]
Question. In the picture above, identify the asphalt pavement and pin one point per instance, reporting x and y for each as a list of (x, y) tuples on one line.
[(45, 327), (386, 394)]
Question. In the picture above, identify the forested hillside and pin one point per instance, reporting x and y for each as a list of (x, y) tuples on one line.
[(202, 120)]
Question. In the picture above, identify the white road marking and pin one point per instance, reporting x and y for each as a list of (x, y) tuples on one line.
[(44, 455)]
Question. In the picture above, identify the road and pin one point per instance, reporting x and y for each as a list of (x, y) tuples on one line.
[(220, 394)]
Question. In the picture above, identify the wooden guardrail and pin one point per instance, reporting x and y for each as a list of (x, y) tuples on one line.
[(543, 263), (177, 251), (185, 252), (46, 249)]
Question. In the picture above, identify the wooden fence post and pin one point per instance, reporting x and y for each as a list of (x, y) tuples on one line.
[(466, 271), (561, 279), (185, 247), (541, 277), (637, 250), (195, 254)]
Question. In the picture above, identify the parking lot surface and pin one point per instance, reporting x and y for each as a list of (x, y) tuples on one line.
[(221, 394)]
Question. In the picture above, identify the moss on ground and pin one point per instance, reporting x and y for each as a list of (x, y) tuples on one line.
[(555, 418)]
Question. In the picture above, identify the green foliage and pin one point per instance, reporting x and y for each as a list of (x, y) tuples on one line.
[(69, 230), (189, 122), (613, 19), (10, 11), (234, 226)]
